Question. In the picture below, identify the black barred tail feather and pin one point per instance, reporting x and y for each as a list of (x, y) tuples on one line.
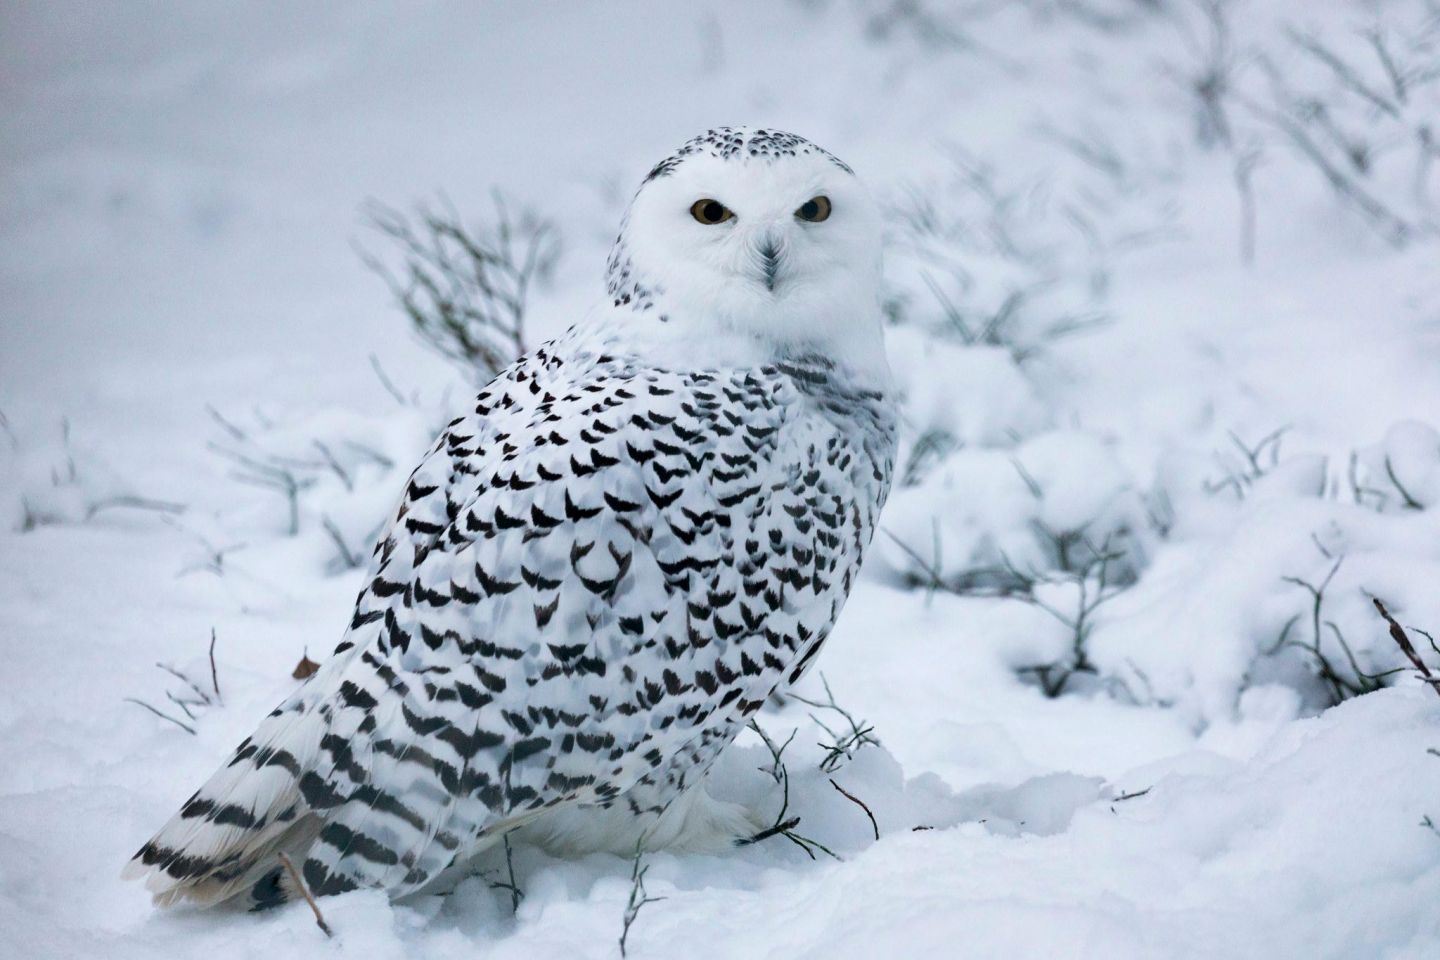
[(227, 837)]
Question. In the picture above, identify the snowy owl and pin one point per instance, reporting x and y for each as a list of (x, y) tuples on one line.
[(602, 569)]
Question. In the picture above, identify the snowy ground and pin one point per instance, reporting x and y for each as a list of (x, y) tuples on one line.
[(1087, 307)]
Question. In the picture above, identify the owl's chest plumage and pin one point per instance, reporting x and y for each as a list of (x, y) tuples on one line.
[(633, 558)]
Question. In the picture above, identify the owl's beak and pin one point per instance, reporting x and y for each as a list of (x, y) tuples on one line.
[(769, 251)]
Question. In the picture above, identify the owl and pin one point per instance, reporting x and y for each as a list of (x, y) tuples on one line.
[(601, 569)]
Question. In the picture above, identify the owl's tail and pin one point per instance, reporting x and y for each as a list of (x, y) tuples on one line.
[(227, 838)]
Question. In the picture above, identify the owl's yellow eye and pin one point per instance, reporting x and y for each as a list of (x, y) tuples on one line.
[(710, 212), (815, 209)]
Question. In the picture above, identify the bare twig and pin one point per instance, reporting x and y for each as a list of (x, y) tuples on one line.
[(1402, 640), (861, 803), (235, 432), (465, 291), (273, 475), (774, 830), (201, 696), (516, 894), (349, 559), (305, 892), (386, 382), (162, 715), (784, 826), (638, 897), (214, 674), (135, 503), (1132, 795), (1409, 502), (842, 746), (333, 464)]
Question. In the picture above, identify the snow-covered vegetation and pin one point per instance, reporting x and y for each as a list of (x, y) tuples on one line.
[(1163, 297)]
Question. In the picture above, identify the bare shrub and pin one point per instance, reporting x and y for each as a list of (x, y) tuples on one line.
[(466, 289)]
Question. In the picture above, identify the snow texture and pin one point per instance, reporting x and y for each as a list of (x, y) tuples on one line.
[(1163, 308)]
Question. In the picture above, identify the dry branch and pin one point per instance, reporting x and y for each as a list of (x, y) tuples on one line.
[(1402, 640), (305, 892)]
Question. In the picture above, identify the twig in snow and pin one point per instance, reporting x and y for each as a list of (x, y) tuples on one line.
[(516, 894), (162, 715), (861, 803), (784, 826), (214, 674), (349, 559), (1132, 795), (334, 464), (271, 476), (235, 432), (1093, 581), (776, 770), (638, 896), (1402, 640), (843, 745), (136, 503), (1409, 502), (305, 892), (386, 382), (466, 291), (1341, 686), (203, 698)]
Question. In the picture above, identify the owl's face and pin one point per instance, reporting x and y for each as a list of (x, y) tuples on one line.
[(756, 232)]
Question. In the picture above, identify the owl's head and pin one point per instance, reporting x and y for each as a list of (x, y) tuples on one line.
[(758, 233)]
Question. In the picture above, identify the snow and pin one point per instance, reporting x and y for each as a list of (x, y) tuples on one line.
[(1091, 369)]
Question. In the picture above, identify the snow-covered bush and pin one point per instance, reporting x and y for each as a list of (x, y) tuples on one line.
[(1349, 92), (333, 475), (56, 477), (1278, 586)]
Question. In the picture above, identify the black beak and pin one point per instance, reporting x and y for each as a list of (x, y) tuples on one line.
[(770, 263)]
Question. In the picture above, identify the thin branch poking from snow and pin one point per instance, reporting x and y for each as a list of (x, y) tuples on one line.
[(861, 803), (466, 291), (1402, 640), (784, 826), (842, 746), (135, 503), (638, 896), (516, 894), (201, 695), (349, 559), (271, 477), (162, 715), (1409, 502), (183, 705), (235, 432), (305, 892), (214, 674), (386, 382), (1132, 795), (334, 464)]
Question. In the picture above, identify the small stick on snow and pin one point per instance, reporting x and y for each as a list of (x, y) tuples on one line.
[(772, 831), (305, 892), (1132, 795), (856, 800), (214, 676), (1402, 640), (162, 715)]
